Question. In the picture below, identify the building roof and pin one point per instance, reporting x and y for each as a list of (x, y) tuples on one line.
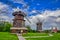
[(19, 13), (39, 23)]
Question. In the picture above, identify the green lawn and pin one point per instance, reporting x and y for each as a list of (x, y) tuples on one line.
[(7, 36), (56, 36), (35, 34)]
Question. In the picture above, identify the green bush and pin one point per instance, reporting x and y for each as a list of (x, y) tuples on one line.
[(5, 27), (28, 27), (47, 31), (1, 29), (58, 31), (34, 31), (30, 30)]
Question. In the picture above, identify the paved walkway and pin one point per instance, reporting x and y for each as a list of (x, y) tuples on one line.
[(20, 37)]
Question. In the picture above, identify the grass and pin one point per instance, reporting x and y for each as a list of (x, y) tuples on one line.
[(56, 36), (7, 36), (34, 34)]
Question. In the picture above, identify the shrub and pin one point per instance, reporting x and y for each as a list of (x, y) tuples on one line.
[(58, 31), (5, 27), (47, 31), (30, 30)]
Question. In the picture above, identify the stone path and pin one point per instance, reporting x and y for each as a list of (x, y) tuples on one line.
[(50, 35), (20, 37)]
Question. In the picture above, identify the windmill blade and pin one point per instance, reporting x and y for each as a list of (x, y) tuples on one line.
[(25, 15), (38, 12), (28, 20), (25, 6), (38, 19)]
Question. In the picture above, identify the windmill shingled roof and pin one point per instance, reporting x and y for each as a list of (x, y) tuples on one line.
[(18, 12)]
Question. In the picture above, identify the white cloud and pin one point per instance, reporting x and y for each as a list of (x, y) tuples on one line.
[(4, 12), (18, 1), (2, 6), (48, 17), (25, 5), (51, 13), (58, 19), (33, 11), (16, 9), (5, 18)]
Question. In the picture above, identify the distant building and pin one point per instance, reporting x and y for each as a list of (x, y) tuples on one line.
[(54, 29), (39, 26)]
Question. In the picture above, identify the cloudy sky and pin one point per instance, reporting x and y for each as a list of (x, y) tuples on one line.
[(47, 11)]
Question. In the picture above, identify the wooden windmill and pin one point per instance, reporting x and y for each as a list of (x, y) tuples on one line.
[(39, 25), (19, 22)]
